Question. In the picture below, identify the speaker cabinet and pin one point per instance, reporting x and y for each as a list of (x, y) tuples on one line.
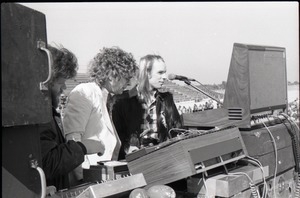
[(24, 105), (23, 66), (256, 82)]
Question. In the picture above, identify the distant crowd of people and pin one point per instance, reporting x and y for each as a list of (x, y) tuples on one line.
[(196, 107), (181, 108), (293, 109)]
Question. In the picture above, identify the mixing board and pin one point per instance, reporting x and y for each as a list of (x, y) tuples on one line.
[(109, 188), (188, 154)]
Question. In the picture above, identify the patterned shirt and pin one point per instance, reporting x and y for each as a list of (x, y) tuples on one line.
[(149, 117)]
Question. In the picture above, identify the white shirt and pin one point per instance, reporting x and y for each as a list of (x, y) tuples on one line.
[(86, 117)]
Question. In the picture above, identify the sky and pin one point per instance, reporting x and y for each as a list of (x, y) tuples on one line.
[(194, 38)]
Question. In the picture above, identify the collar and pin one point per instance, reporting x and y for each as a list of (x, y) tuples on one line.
[(54, 112), (153, 97)]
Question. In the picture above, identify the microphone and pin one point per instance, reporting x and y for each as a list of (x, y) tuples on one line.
[(177, 77)]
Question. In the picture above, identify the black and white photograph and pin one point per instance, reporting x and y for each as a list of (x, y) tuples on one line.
[(150, 99)]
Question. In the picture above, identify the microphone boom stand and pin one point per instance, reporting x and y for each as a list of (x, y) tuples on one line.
[(190, 84)]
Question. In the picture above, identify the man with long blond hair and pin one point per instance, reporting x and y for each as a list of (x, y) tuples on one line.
[(146, 118)]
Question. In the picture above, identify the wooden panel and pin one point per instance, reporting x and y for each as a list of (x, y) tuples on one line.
[(238, 186), (23, 66), (285, 160), (215, 150), (173, 162), (209, 118), (163, 166), (114, 188), (139, 153), (260, 145), (102, 173), (227, 185), (259, 141), (216, 136)]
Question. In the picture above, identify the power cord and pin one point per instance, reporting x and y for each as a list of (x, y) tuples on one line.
[(276, 158), (205, 186), (295, 144), (258, 163), (34, 164), (253, 188)]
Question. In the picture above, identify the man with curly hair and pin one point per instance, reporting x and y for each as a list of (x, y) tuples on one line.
[(60, 157), (86, 115)]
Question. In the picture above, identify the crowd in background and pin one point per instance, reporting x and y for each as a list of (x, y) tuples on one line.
[(195, 107), (293, 109)]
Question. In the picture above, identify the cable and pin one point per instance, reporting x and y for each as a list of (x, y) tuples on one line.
[(275, 149), (287, 117), (178, 129), (295, 124), (186, 132), (253, 189), (297, 188), (295, 145), (295, 141), (204, 182), (256, 162), (292, 124), (205, 186), (43, 181), (252, 160), (33, 164)]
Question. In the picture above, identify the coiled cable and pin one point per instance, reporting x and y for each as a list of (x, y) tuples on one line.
[(254, 191), (297, 188), (253, 188), (295, 146), (258, 163)]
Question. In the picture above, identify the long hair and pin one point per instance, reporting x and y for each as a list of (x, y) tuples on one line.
[(167, 115), (145, 68)]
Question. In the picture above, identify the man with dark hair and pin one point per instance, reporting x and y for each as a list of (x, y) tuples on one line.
[(60, 157)]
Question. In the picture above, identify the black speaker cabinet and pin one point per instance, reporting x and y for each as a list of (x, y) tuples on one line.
[(256, 82), (23, 66), (25, 103)]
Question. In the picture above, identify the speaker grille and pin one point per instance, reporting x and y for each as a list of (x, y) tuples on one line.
[(235, 113)]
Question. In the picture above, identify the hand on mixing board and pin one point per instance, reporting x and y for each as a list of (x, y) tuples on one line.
[(132, 149), (94, 146)]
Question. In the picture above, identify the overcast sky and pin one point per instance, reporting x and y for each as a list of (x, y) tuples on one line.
[(194, 38)]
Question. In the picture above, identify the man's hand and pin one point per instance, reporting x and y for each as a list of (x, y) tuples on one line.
[(93, 146), (132, 149), (145, 132)]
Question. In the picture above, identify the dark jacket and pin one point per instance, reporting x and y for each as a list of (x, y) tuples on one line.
[(59, 157), (127, 115)]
